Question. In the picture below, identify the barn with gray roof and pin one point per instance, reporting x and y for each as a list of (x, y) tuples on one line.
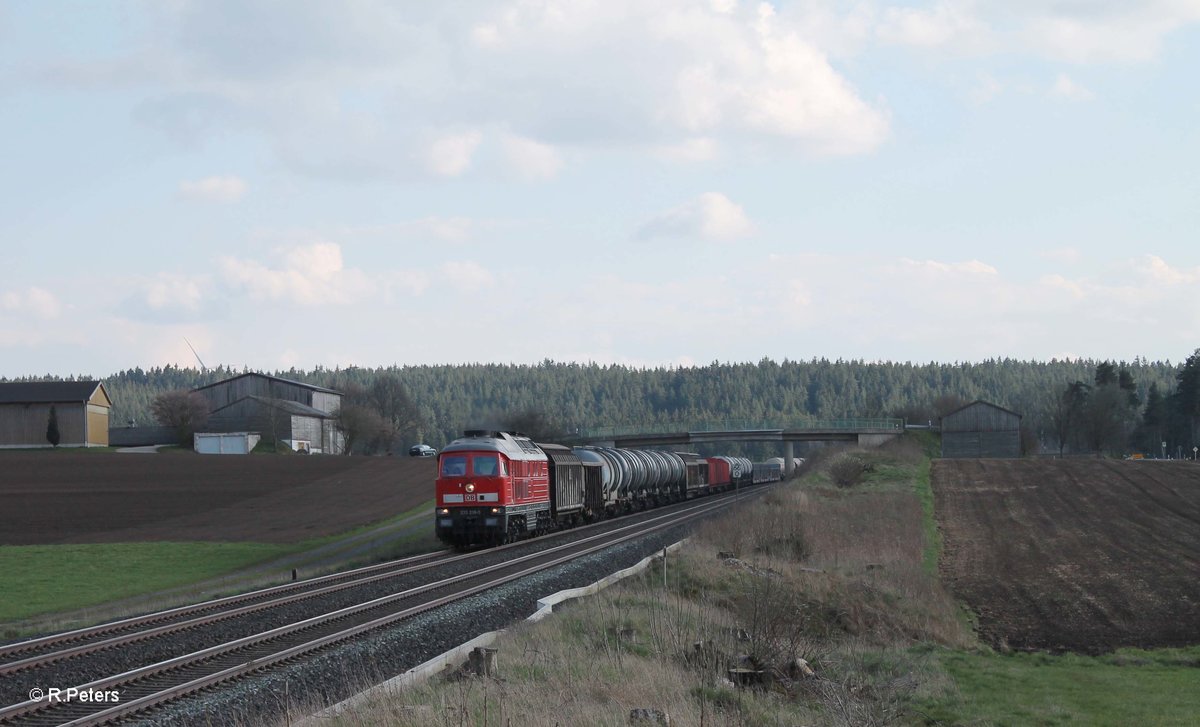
[(302, 415), (981, 429)]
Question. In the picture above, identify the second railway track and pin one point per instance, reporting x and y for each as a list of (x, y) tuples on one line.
[(145, 685)]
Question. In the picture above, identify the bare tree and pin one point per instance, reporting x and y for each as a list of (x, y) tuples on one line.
[(948, 403), (182, 410), (389, 397), (362, 428)]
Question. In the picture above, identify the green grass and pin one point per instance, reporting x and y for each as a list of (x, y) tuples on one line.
[(44, 579), (38, 579), (933, 536), (1129, 687)]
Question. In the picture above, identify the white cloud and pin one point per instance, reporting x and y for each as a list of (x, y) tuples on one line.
[(1066, 88), (944, 310), (467, 275), (214, 189), (532, 160), (946, 24), (681, 68), (174, 291), (936, 268), (1099, 32), (33, 300), (698, 149), (450, 155), (767, 79), (308, 275), (1058, 282), (711, 216), (1158, 270), (373, 77)]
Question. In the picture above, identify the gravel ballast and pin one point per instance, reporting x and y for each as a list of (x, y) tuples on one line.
[(341, 672)]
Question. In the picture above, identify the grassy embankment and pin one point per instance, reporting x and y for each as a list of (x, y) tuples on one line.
[(36, 580), (843, 577)]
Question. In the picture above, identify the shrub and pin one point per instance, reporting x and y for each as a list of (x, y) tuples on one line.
[(848, 469), (52, 434)]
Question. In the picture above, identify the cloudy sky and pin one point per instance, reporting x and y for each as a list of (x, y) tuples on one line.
[(367, 183)]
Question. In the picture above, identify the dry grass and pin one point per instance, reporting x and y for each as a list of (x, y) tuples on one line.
[(830, 576)]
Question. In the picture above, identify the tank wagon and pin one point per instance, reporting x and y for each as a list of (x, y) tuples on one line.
[(494, 487)]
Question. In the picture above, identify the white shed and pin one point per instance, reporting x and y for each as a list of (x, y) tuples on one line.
[(226, 442)]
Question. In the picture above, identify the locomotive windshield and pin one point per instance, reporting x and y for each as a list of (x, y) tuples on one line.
[(485, 465), (454, 466)]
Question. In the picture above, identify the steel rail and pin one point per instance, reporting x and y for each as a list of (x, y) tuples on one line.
[(111, 627), (324, 642), (117, 633), (130, 679)]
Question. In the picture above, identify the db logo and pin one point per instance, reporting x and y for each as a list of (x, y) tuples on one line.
[(470, 498)]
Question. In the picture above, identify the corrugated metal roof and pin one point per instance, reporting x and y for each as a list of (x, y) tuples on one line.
[(270, 378), (47, 392), (964, 407), (284, 405)]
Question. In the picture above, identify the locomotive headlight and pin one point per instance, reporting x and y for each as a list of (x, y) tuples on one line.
[(495, 510), (470, 487), (444, 511)]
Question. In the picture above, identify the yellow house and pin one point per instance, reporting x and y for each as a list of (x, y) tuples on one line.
[(81, 408)]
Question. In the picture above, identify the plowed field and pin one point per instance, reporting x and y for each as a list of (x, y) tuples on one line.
[(1073, 555), (85, 497)]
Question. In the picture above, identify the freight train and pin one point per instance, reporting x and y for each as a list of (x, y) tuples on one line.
[(495, 487)]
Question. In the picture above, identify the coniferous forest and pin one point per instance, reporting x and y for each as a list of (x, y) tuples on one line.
[(1068, 406)]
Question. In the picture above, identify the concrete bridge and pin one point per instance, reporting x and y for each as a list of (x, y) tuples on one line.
[(862, 432)]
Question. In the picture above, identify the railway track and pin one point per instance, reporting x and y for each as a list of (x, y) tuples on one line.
[(145, 687), (44, 650)]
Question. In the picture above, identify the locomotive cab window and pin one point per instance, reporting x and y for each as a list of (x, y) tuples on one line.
[(485, 465), (455, 466)]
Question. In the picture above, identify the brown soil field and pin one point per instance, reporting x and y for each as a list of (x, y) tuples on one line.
[(88, 497), (1082, 555)]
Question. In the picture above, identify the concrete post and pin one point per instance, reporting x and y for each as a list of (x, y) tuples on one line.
[(789, 460)]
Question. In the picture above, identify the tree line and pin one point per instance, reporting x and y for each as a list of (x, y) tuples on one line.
[(1068, 405), (1110, 414)]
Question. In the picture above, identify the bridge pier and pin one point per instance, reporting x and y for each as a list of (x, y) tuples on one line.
[(789, 462)]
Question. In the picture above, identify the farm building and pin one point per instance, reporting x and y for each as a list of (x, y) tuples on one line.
[(81, 408), (980, 429), (303, 415)]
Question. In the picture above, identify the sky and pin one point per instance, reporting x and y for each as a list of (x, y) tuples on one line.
[(374, 183)]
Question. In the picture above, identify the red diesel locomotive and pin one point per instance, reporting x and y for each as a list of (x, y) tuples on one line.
[(491, 486)]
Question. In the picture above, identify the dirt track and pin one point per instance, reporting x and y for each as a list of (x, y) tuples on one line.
[(1080, 554), (87, 497)]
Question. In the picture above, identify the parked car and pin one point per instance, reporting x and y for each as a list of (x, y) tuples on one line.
[(421, 450)]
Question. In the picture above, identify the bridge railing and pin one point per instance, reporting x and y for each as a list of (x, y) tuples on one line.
[(849, 425)]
